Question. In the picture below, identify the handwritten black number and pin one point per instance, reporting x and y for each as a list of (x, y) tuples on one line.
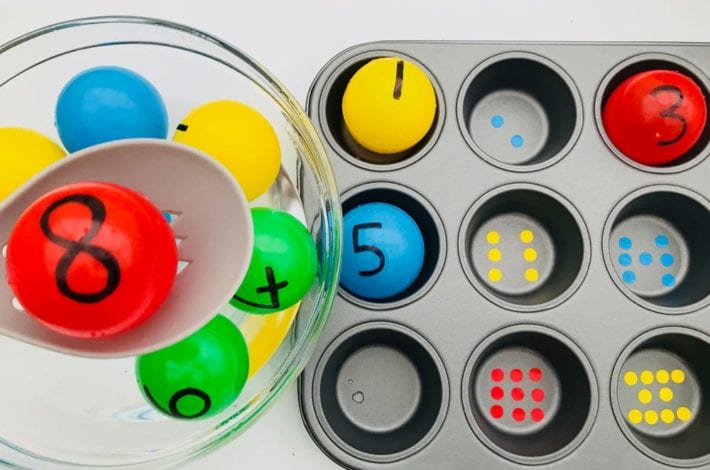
[(272, 287), (671, 111), (177, 396), (361, 248), (74, 248)]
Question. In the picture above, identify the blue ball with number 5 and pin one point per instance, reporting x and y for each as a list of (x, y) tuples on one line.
[(383, 251)]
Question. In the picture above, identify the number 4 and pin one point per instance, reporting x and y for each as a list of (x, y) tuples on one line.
[(361, 248)]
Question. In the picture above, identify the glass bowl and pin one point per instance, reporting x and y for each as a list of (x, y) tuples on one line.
[(61, 411)]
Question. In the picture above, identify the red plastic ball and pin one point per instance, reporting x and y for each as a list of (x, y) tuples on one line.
[(655, 117), (91, 259)]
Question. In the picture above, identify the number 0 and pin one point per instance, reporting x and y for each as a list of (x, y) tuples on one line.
[(360, 248)]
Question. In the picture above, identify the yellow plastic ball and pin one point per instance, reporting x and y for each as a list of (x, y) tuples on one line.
[(23, 153), (389, 105), (237, 136)]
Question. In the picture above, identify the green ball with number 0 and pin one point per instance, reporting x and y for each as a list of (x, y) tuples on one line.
[(283, 266)]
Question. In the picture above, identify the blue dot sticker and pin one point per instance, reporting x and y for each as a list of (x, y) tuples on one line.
[(517, 141), (625, 243), (629, 277), (662, 241), (625, 259), (497, 121), (645, 258), (667, 260), (668, 280)]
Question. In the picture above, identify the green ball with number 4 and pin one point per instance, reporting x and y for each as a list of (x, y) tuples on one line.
[(283, 266)]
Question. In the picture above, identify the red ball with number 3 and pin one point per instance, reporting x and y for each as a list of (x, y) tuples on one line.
[(91, 259), (655, 117)]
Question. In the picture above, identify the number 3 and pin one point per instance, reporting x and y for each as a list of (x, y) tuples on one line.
[(671, 112), (360, 248)]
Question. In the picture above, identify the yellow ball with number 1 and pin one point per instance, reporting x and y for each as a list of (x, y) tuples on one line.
[(237, 136), (23, 153)]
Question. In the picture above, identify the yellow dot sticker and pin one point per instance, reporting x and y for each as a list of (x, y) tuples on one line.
[(630, 378), (526, 236), (645, 396), (663, 376), (635, 416), (651, 417), (530, 254), (493, 237), (678, 376), (494, 254), (495, 275), (531, 275), (684, 413), (667, 416), (666, 394), (647, 377)]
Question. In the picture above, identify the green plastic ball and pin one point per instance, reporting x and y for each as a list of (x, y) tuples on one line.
[(199, 376), (283, 266)]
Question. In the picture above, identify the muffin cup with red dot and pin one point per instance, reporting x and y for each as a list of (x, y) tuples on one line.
[(529, 394), (660, 385), (653, 112), (524, 247)]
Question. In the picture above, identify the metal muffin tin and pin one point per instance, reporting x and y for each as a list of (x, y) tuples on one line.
[(601, 358)]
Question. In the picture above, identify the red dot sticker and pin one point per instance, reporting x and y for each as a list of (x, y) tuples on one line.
[(516, 375), (497, 412), (538, 395), (519, 415), (535, 374), (517, 394), (497, 393), (537, 415), (497, 375)]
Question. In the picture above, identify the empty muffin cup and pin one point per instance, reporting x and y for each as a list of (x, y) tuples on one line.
[(524, 247), (529, 394), (394, 246), (406, 106), (381, 392), (519, 111), (656, 248), (660, 389)]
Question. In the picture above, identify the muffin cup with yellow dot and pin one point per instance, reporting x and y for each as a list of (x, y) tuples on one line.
[(381, 110), (524, 247), (660, 388)]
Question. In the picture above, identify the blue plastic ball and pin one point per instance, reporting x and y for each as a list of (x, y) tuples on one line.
[(104, 104), (383, 251)]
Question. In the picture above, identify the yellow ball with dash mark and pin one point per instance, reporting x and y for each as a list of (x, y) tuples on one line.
[(239, 138), (389, 105)]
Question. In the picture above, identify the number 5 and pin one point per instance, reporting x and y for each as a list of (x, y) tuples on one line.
[(360, 248)]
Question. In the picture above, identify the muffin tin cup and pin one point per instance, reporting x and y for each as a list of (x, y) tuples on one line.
[(659, 390), (656, 246), (519, 111), (524, 247), (529, 394), (380, 392), (642, 63), (337, 135), (430, 225)]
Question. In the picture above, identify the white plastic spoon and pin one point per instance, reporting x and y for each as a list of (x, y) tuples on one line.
[(213, 222)]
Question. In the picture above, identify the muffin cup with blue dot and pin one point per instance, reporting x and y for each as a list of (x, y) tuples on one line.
[(656, 248), (382, 110), (660, 390), (519, 111), (393, 246), (524, 247)]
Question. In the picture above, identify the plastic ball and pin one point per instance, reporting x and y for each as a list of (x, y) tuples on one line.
[(383, 251), (655, 117), (389, 105), (283, 266), (24, 153), (91, 259), (199, 376), (104, 104), (239, 138)]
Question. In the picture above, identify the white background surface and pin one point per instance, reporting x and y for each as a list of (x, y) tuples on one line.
[(293, 39)]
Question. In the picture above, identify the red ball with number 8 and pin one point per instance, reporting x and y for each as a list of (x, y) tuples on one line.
[(656, 116), (91, 259)]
